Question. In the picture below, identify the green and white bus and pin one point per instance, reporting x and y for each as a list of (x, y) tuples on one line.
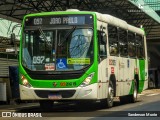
[(81, 55)]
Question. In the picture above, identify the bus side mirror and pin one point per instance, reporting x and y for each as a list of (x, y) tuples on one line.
[(13, 38)]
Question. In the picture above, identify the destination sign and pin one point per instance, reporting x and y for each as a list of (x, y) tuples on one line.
[(59, 20)]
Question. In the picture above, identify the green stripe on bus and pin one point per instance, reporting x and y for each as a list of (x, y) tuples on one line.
[(142, 74)]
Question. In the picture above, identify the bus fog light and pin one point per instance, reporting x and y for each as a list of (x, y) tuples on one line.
[(87, 81)]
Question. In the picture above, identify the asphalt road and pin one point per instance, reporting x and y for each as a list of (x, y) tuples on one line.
[(148, 106)]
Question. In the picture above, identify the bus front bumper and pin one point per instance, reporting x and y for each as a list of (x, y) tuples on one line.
[(78, 93)]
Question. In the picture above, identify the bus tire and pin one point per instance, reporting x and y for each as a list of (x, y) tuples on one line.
[(109, 101), (46, 105), (133, 98), (111, 93), (130, 98)]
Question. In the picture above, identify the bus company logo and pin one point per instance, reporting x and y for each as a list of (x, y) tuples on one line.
[(54, 84), (63, 84)]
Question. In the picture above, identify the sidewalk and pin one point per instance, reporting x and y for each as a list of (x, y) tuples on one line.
[(151, 91)]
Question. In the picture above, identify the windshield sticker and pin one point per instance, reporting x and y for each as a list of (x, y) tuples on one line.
[(50, 66), (78, 61), (47, 59), (38, 59), (61, 63)]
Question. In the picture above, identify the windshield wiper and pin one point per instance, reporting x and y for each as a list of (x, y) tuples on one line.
[(66, 36), (45, 38)]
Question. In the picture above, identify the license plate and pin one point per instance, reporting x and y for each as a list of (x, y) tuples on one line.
[(54, 97)]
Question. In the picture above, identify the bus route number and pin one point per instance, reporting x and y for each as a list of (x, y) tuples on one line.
[(38, 59), (37, 21)]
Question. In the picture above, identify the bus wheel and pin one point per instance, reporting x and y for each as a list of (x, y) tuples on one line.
[(110, 95), (108, 102), (130, 98), (133, 98), (46, 105)]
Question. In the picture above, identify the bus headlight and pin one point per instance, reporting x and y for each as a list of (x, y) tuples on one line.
[(87, 81), (25, 81)]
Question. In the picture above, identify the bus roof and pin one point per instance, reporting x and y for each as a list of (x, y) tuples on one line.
[(118, 22)]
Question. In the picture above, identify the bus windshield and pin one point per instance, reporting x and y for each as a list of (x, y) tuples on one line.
[(59, 49)]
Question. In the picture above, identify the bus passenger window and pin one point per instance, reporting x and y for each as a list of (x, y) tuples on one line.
[(102, 38), (131, 45), (113, 40), (139, 46), (123, 45)]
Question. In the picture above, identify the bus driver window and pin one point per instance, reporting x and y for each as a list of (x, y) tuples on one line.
[(102, 38)]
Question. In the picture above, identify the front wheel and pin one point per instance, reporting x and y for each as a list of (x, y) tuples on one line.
[(110, 94), (108, 102)]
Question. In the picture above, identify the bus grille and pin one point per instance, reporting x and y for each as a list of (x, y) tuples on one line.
[(63, 93)]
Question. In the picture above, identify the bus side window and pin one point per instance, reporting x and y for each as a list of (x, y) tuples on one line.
[(123, 44), (113, 40), (102, 38), (140, 46), (131, 45)]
